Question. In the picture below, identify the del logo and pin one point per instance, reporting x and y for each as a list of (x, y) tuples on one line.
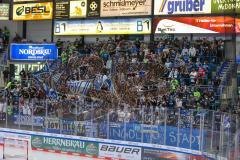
[(37, 142), (32, 10), (173, 6), (92, 149)]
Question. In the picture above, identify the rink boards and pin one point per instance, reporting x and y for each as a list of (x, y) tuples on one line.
[(97, 148)]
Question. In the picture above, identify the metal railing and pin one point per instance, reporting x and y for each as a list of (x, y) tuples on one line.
[(210, 133)]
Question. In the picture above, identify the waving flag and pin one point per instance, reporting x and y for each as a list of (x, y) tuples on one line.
[(37, 77), (52, 94), (45, 68), (54, 65), (79, 87), (57, 76), (46, 89)]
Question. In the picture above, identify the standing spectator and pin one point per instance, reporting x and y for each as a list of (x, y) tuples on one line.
[(192, 53), (6, 35), (185, 51), (193, 76), (5, 76), (22, 76)]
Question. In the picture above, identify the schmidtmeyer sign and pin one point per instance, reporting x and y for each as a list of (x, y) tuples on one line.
[(169, 7), (110, 8)]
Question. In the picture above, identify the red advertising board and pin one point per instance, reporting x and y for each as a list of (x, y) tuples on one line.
[(237, 24), (204, 24)]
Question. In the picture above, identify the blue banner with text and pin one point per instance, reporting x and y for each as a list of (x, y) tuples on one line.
[(33, 52)]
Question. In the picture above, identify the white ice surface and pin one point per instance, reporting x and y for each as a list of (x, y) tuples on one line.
[(39, 155)]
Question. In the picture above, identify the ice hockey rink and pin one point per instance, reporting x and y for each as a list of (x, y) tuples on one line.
[(14, 153)]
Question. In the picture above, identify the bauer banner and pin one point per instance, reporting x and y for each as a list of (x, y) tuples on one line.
[(103, 27), (221, 24)]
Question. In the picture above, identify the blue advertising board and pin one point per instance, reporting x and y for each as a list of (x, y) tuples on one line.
[(238, 59), (33, 52), (154, 134)]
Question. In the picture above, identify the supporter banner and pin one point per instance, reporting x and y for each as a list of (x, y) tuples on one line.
[(194, 25), (111, 8), (28, 120), (168, 7), (4, 11), (153, 134), (33, 11), (33, 52), (225, 6), (154, 154), (120, 151), (78, 8), (103, 27), (64, 145), (93, 8), (54, 125), (61, 9)]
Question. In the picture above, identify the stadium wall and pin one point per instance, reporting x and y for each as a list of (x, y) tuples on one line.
[(13, 26), (39, 30), (95, 147)]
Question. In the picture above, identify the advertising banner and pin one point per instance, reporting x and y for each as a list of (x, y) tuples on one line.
[(171, 7), (4, 11), (28, 120), (153, 134), (33, 11), (31, 0), (220, 24), (237, 24), (111, 8), (103, 27), (64, 145), (62, 9), (120, 152), (225, 6), (54, 125), (33, 52), (154, 154), (93, 8), (78, 8)]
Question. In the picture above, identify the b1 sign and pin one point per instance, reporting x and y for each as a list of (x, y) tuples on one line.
[(33, 52)]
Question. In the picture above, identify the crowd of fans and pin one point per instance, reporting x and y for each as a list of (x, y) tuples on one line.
[(132, 80)]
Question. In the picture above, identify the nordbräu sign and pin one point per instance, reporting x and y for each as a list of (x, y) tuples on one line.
[(33, 52)]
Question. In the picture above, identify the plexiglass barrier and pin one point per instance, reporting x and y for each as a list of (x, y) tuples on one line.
[(213, 133)]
